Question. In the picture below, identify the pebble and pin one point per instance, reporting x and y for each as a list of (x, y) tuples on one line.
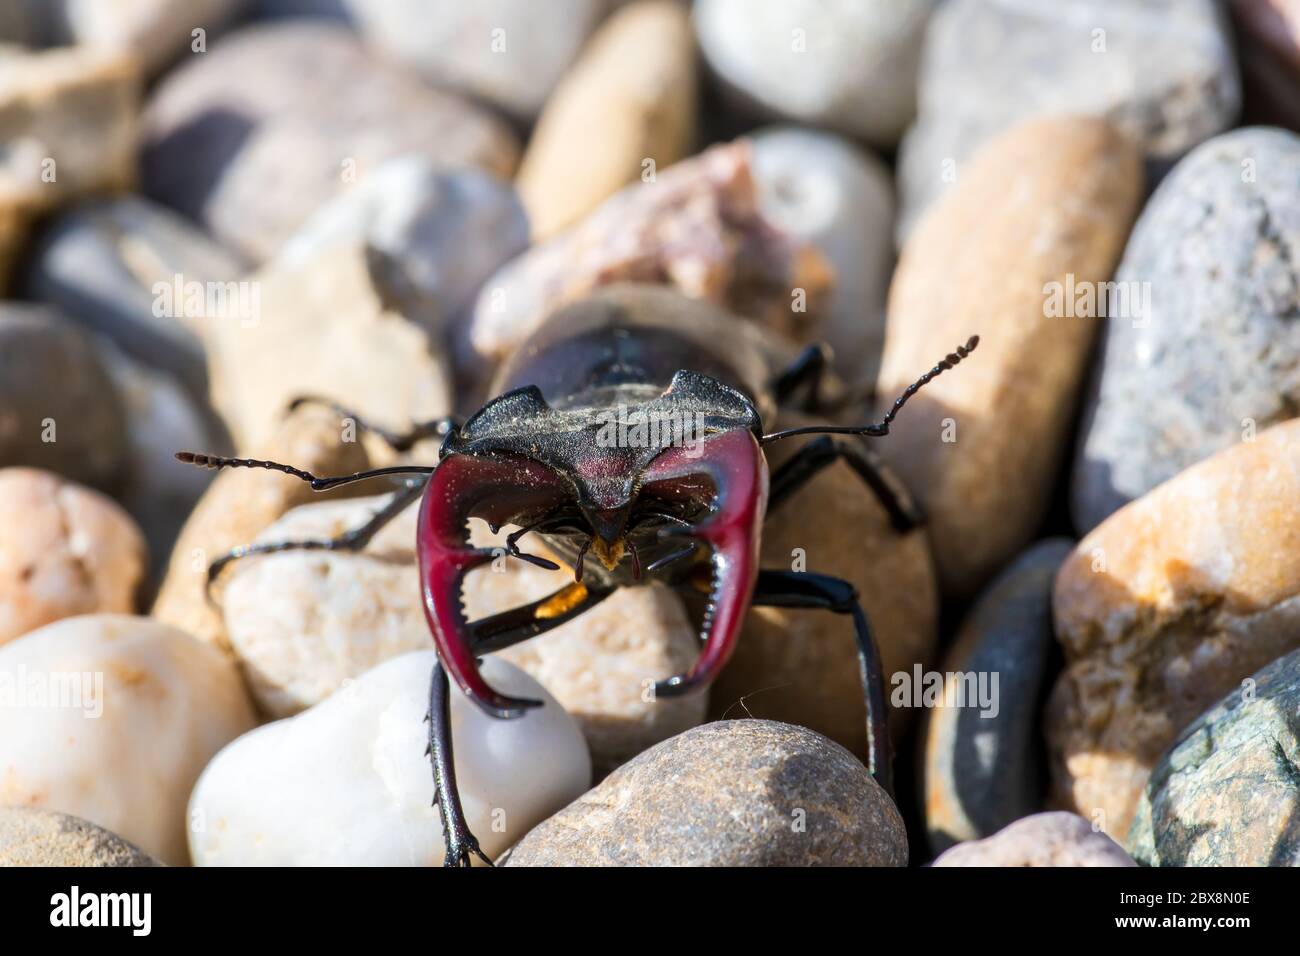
[(1165, 607), (372, 356), (69, 121), (729, 793), (1164, 72), (1268, 32), (984, 770), (823, 189), (346, 783), (66, 550), (848, 66), (116, 717), (154, 31), (697, 228), (1049, 201), (305, 624), (626, 109), (437, 234), (19, 23), (1044, 839), (510, 53), (275, 119), (239, 503), (59, 408), (1218, 356), (113, 264), (1225, 793), (801, 666), (48, 838)]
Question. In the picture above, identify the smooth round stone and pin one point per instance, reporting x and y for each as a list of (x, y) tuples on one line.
[(66, 550), (629, 101), (20, 23), (114, 717), (730, 793), (306, 624), (1268, 32), (106, 263), (346, 783), (1047, 199), (510, 53), (1218, 356), (697, 228), (1164, 608), (437, 235), (276, 119), (59, 407), (1044, 839), (1163, 71), (46, 838), (825, 190), (241, 502), (1224, 794), (983, 765), (801, 666), (846, 65), (69, 121), (154, 31), (373, 356)]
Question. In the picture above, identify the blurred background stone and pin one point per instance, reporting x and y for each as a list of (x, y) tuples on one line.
[(845, 65), (1162, 71), (250, 138), (47, 838)]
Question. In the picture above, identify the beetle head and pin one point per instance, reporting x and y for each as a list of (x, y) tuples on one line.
[(628, 481)]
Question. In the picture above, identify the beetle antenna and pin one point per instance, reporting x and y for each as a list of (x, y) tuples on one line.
[(318, 484), (881, 427)]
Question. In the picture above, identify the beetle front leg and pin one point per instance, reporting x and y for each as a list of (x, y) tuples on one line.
[(461, 845), (804, 589), (808, 461)]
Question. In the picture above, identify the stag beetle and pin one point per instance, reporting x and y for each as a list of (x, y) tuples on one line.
[(634, 438)]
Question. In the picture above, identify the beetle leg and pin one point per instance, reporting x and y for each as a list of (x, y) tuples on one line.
[(808, 461), (487, 634), (350, 541), (807, 369), (803, 589), (398, 441)]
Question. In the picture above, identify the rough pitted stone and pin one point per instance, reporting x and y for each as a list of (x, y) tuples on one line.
[(730, 793), (984, 771), (1166, 606), (1219, 355), (1045, 839), (697, 227), (47, 838), (1049, 201), (252, 136), (59, 408), (630, 99), (1225, 793), (847, 65), (1163, 71)]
